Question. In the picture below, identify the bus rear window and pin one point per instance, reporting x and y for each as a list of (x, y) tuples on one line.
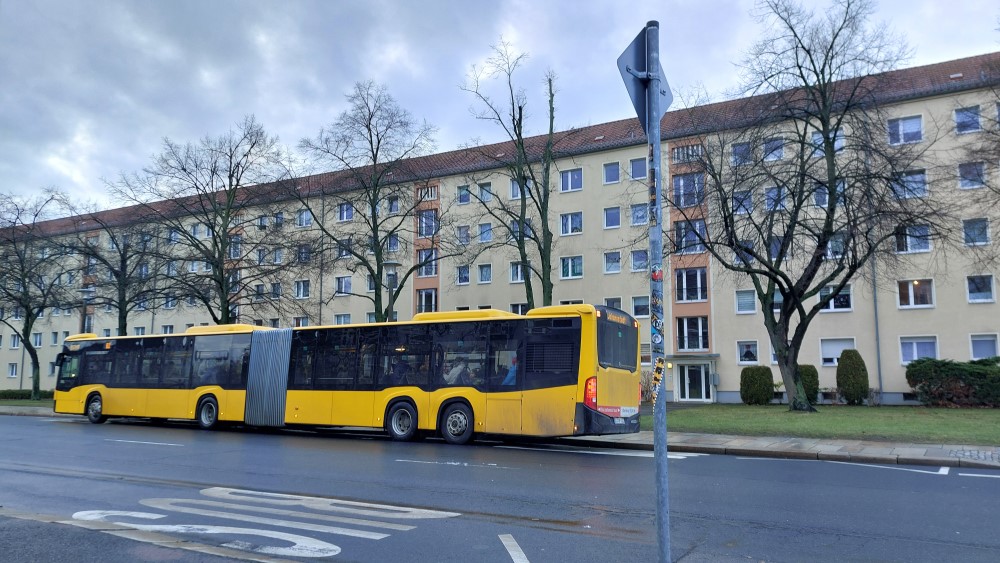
[(617, 342)]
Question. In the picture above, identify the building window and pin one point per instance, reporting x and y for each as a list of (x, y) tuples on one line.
[(464, 195), (983, 346), (640, 306), (343, 285), (744, 252), (841, 301), (36, 339), (11, 370), (612, 217), (515, 189), (462, 275), (516, 272), (687, 153), (301, 289), (278, 220), (742, 202), (571, 223), (980, 288), (276, 290), (913, 238), (342, 319), (463, 235), (427, 193), (689, 189), (640, 260), (774, 198), (426, 300), (486, 192), (746, 301), (303, 218), (139, 331), (427, 223), (612, 262), (967, 119), (612, 173), (689, 236), (485, 273), (905, 130), (637, 168), (485, 232), (615, 302), (640, 214), (817, 142), (916, 293), (571, 180), (746, 351), (571, 267), (692, 333), (971, 175), (55, 339), (742, 154), (976, 231), (304, 252), (170, 301), (774, 149), (916, 347), (297, 322), (427, 262), (519, 308), (167, 329), (691, 284), (910, 184), (393, 206), (345, 211), (831, 348)]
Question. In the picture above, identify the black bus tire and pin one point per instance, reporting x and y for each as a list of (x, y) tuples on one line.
[(208, 413), (95, 409), (456, 424), (401, 423)]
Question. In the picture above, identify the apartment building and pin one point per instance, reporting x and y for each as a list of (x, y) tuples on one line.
[(937, 302)]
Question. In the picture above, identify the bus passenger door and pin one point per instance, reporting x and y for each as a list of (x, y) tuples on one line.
[(503, 398)]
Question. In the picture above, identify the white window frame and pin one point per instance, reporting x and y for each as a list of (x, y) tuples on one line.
[(959, 123), (966, 223), (910, 284), (911, 184), (901, 128), (968, 182), (608, 270), (912, 238), (741, 154), (753, 302), (571, 267), (303, 288), (485, 235), (640, 301), (567, 223), (643, 265), (740, 360), (914, 340), (568, 180), (516, 272), (345, 212), (618, 225), (774, 153), (608, 166), (831, 306), (817, 142), (303, 218), (485, 191), (983, 336), (484, 268), (342, 319), (643, 216), (968, 292), (641, 162), (689, 189), (834, 360), (464, 195), (681, 288), (458, 274), (342, 285), (703, 332), (428, 259)]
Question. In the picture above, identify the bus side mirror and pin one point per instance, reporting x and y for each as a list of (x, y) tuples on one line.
[(59, 359)]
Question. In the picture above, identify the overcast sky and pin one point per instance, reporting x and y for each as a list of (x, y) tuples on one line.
[(90, 89)]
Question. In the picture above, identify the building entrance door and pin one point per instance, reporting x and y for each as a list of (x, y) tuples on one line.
[(695, 383)]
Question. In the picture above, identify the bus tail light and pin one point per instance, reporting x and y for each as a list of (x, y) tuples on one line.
[(590, 393)]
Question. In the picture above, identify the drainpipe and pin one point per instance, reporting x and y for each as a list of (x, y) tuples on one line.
[(878, 336)]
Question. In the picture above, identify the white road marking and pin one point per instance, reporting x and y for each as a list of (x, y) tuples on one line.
[(516, 554), (456, 464), (327, 504), (940, 471), (621, 453), (146, 443), (979, 475), (302, 546), (171, 505)]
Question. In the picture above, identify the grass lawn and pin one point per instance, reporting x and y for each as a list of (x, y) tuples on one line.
[(47, 403), (901, 424)]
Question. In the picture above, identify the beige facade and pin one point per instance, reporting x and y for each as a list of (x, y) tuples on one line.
[(598, 215)]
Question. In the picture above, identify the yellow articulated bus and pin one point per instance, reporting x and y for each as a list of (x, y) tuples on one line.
[(557, 371)]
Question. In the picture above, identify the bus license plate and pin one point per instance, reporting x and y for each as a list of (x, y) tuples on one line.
[(619, 420)]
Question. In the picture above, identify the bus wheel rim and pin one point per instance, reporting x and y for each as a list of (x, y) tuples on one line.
[(457, 423), (94, 407), (401, 422), (208, 413)]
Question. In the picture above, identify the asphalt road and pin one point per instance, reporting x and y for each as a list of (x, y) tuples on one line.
[(166, 493)]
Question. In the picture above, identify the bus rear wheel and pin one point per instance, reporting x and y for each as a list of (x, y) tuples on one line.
[(208, 413), (456, 424), (95, 409), (402, 422)]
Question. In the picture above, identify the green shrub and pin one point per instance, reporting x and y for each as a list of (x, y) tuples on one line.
[(956, 384), (756, 385), (22, 394), (810, 381), (852, 377)]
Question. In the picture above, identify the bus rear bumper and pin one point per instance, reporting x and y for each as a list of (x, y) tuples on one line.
[(590, 423)]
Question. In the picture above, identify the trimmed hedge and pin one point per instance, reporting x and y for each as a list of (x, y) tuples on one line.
[(22, 394), (956, 384), (852, 377), (756, 385), (810, 381)]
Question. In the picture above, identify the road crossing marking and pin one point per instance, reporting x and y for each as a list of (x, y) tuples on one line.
[(147, 443), (515, 551)]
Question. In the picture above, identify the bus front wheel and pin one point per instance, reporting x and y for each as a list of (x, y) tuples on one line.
[(402, 422), (456, 424), (95, 410), (208, 413)]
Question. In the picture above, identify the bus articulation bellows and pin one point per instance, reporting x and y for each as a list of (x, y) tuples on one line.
[(566, 370)]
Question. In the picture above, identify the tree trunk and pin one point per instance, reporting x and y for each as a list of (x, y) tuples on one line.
[(797, 399)]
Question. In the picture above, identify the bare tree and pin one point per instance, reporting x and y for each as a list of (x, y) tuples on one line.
[(220, 228), (803, 187), (376, 210), (525, 222), (36, 275)]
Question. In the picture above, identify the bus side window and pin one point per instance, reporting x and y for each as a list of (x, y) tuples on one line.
[(368, 348), (505, 341), (152, 355), (176, 366), (239, 361)]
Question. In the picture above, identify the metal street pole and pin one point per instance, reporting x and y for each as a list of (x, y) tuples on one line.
[(651, 96)]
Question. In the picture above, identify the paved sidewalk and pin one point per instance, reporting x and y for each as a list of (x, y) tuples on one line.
[(856, 451)]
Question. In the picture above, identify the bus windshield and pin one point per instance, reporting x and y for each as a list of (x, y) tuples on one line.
[(69, 369), (617, 340)]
